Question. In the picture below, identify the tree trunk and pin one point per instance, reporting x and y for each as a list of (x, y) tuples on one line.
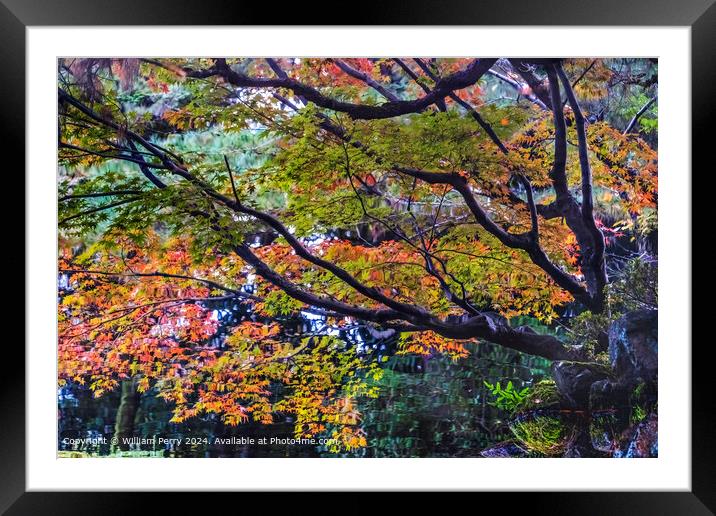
[(126, 412)]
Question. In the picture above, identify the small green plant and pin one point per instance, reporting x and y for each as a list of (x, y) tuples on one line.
[(639, 404), (509, 398), (638, 414)]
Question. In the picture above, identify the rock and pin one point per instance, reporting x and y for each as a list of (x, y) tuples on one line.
[(582, 446), (504, 450), (542, 395), (526, 329), (539, 425), (643, 441), (612, 426), (609, 415), (603, 432), (633, 345), (606, 395), (545, 432), (574, 379)]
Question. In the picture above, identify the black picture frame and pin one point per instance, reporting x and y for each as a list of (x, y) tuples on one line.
[(16, 15)]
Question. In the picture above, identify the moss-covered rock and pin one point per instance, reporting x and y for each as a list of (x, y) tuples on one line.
[(544, 394), (539, 425), (574, 379), (545, 434)]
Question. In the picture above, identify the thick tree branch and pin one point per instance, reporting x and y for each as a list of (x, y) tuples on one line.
[(558, 173), (595, 255), (493, 329), (566, 203), (459, 80), (562, 278), (146, 171), (244, 252), (304, 253), (479, 326)]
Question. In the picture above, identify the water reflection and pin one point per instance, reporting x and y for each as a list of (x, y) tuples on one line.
[(427, 407)]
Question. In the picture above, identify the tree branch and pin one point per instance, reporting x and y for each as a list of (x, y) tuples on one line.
[(459, 80), (518, 87), (532, 207), (158, 274), (562, 278), (490, 328), (524, 68), (99, 194), (595, 256), (483, 325), (441, 104), (473, 112), (638, 115), (97, 209), (367, 79)]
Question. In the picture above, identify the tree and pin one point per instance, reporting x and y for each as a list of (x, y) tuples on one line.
[(435, 199)]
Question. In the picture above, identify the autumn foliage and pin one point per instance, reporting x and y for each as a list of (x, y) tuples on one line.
[(331, 192)]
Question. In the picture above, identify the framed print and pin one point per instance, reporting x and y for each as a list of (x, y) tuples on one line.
[(413, 251)]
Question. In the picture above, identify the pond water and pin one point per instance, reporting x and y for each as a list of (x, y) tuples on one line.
[(427, 407)]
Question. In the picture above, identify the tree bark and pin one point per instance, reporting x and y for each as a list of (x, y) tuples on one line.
[(126, 413)]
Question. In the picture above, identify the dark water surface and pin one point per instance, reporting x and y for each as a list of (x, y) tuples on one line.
[(427, 407)]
